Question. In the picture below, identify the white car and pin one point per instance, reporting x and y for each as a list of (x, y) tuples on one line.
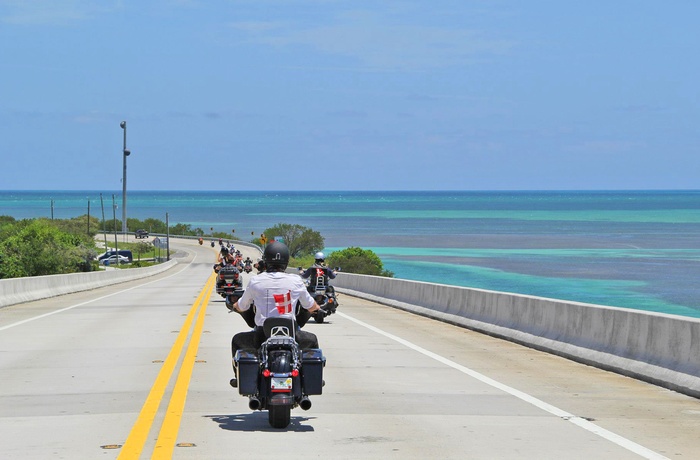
[(112, 260)]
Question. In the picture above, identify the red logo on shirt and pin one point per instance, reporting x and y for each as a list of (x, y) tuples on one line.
[(283, 302)]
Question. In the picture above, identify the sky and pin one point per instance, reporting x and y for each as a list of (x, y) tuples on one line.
[(350, 94)]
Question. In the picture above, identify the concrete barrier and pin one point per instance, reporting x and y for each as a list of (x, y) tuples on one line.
[(654, 347), (18, 290)]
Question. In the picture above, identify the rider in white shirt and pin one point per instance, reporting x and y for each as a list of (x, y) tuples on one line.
[(275, 294)]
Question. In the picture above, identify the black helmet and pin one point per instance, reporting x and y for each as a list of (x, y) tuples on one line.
[(276, 256), (224, 251)]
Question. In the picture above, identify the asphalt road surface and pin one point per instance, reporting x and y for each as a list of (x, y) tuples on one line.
[(141, 370)]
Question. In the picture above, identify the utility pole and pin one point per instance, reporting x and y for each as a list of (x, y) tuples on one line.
[(114, 213), (126, 153)]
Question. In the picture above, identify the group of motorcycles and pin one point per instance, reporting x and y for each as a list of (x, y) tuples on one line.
[(279, 376)]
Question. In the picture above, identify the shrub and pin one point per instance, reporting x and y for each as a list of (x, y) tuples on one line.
[(358, 260)]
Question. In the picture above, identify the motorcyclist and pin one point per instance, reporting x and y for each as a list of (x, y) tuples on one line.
[(274, 294), (316, 271), (259, 266), (247, 265), (238, 260)]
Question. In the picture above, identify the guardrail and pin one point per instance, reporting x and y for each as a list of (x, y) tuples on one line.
[(654, 347), (27, 289)]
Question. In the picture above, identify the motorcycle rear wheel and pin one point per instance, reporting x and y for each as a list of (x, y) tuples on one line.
[(279, 416)]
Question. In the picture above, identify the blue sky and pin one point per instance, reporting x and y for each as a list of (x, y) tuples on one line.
[(350, 95)]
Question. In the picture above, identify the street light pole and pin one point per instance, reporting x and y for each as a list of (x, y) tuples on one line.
[(126, 153)]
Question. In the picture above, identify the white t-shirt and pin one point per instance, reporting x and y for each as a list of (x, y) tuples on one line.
[(275, 294)]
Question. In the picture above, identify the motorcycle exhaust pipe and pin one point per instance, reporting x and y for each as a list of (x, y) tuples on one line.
[(305, 403), (254, 403)]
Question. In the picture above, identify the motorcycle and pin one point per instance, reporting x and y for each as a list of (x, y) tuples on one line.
[(327, 300), (323, 294), (228, 282), (279, 376), (212, 244), (201, 241), (247, 267)]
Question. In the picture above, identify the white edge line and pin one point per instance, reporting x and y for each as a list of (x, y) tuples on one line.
[(578, 421)]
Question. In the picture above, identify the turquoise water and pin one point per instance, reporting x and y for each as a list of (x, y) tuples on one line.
[(637, 249)]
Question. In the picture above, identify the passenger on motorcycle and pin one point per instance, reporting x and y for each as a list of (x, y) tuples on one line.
[(274, 294), (316, 271), (222, 259)]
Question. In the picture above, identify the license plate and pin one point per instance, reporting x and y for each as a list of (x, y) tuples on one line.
[(281, 383)]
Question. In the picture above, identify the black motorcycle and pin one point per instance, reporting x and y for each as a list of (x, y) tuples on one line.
[(279, 376), (228, 281), (323, 294), (326, 299)]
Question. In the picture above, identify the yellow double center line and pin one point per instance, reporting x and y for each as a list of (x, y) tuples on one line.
[(165, 443)]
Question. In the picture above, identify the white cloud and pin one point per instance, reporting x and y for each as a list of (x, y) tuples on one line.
[(381, 44)]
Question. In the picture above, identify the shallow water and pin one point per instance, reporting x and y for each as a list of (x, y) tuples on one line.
[(631, 249)]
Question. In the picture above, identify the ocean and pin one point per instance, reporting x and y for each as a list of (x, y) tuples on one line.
[(632, 249)]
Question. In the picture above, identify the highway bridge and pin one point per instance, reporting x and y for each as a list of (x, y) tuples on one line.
[(141, 369)]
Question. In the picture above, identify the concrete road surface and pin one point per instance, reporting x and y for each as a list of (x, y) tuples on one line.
[(141, 370)]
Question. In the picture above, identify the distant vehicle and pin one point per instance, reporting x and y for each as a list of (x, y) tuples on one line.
[(141, 233), (122, 252), (112, 260)]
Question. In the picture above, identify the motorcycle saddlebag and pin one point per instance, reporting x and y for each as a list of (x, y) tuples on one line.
[(312, 362), (248, 367)]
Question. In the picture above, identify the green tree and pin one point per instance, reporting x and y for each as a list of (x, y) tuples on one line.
[(142, 248), (37, 247), (78, 226), (358, 260), (299, 239)]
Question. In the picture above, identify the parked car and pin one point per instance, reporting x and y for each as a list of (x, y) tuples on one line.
[(122, 252), (141, 233), (112, 260)]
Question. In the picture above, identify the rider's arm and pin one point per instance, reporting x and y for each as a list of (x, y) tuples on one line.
[(306, 300), (244, 302)]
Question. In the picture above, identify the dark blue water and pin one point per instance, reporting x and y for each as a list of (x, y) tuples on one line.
[(637, 249)]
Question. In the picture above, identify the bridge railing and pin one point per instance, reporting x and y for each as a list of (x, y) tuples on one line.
[(654, 347)]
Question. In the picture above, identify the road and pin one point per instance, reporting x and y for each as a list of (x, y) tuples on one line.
[(141, 370)]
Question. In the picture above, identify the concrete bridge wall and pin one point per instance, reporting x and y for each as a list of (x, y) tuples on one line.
[(18, 290), (658, 348)]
